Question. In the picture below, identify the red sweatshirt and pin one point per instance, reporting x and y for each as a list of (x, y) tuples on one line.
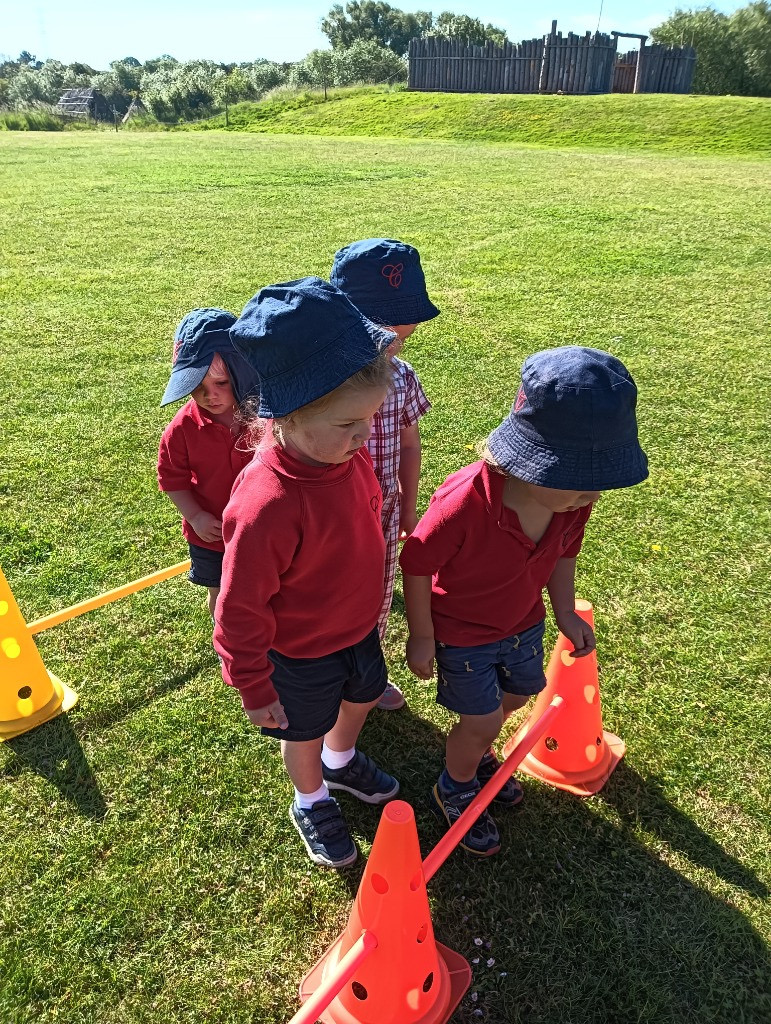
[(303, 566), (487, 574)]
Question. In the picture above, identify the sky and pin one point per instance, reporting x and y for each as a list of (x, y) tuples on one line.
[(236, 30)]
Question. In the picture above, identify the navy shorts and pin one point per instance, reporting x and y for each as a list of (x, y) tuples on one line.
[(472, 680), (206, 568), (311, 689)]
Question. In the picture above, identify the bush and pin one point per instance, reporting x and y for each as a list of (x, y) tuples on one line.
[(31, 121)]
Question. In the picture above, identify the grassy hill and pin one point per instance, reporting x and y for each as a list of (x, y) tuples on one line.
[(694, 124)]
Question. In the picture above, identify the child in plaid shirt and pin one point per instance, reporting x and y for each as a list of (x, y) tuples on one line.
[(384, 279)]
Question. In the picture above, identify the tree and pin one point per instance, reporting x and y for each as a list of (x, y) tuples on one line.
[(378, 22), (751, 26), (733, 53), (466, 30)]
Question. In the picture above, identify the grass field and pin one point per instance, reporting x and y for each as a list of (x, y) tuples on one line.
[(151, 875), (689, 124)]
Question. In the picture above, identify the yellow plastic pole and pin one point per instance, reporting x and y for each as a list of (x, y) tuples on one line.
[(112, 595)]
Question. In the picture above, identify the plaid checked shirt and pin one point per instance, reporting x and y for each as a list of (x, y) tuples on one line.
[(405, 404)]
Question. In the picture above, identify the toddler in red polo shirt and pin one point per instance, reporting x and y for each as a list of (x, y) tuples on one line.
[(497, 533), (202, 450)]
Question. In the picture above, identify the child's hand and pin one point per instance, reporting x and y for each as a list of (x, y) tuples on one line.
[(420, 656), (580, 633), (207, 526), (271, 716), (407, 522)]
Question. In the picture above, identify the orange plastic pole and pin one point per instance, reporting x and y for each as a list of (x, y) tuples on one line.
[(112, 595), (311, 1009), (456, 832)]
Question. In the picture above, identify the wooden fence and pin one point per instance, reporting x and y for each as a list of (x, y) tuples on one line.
[(664, 69), (571, 64)]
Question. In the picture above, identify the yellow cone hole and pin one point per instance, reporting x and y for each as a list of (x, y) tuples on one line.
[(567, 659), (591, 752), (590, 694), (3, 607)]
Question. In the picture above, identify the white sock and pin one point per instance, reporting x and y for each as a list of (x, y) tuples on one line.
[(307, 800), (336, 758)]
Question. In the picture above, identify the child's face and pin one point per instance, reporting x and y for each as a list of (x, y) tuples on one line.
[(335, 433), (557, 500), (403, 331), (215, 392)]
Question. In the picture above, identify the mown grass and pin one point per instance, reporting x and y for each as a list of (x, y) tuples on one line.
[(151, 873), (692, 124)]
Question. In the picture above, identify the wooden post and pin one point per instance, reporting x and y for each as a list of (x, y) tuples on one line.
[(638, 79), (548, 44)]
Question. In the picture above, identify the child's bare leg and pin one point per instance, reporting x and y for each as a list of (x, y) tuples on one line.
[(513, 702), (303, 764), (213, 593), (345, 731), (468, 741)]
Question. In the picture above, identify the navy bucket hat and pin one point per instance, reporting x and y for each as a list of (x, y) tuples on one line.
[(303, 338), (384, 278), (201, 334), (573, 423)]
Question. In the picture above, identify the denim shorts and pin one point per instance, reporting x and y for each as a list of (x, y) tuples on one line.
[(472, 680), (206, 568), (311, 689)]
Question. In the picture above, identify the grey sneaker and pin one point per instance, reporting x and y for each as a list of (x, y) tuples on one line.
[(324, 832), (482, 838), (511, 794), (362, 777)]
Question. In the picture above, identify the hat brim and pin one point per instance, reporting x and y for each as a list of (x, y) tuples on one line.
[(404, 310), (595, 470), (183, 382)]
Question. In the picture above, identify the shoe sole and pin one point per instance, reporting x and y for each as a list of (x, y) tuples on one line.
[(367, 798), (391, 706), (317, 858), (439, 809)]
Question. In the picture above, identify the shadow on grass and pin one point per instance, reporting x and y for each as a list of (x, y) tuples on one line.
[(54, 751), (642, 802), (586, 923), (106, 716)]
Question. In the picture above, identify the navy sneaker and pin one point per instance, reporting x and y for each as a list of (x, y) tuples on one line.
[(482, 838), (325, 833), (511, 794), (362, 777)]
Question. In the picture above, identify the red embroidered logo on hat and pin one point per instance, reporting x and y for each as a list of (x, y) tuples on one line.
[(521, 399), (392, 272), (175, 353)]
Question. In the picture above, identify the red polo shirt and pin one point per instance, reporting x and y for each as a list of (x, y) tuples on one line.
[(487, 574), (303, 566), (200, 455)]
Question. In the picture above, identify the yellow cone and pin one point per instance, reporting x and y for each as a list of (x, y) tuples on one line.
[(29, 695)]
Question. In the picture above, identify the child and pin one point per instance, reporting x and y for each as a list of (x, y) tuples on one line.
[(495, 534), (384, 279), (199, 455), (302, 580)]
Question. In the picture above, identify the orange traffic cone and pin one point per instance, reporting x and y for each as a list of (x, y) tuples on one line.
[(29, 695), (577, 755), (409, 978)]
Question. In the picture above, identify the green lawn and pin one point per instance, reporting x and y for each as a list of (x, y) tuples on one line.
[(151, 875), (689, 124)]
